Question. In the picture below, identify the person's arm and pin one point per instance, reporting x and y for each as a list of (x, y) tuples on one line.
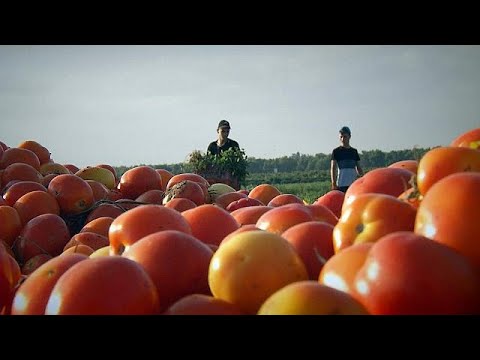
[(333, 173), (359, 169)]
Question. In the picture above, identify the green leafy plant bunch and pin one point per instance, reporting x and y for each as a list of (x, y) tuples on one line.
[(232, 161)]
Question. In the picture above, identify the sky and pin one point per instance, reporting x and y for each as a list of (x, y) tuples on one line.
[(141, 104)]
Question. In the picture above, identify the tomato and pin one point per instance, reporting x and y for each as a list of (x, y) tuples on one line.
[(185, 189), (264, 193), (284, 199), (176, 262), (250, 214), (135, 181), (386, 180), (9, 276), (10, 224), (244, 202), (313, 241), (279, 219), (406, 273), (20, 188), (141, 221), (449, 214), (107, 285), (210, 223), (310, 298), (411, 165), (226, 199), (370, 216), (32, 295), (72, 193), (201, 304), (470, 139), (333, 200), (44, 234), (340, 270), (252, 265), (442, 161)]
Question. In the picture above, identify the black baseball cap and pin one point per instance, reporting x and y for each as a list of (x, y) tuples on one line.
[(345, 130), (223, 123)]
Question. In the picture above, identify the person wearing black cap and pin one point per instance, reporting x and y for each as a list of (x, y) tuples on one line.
[(345, 162), (223, 142)]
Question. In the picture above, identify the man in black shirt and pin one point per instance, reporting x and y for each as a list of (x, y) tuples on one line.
[(345, 163), (223, 142)]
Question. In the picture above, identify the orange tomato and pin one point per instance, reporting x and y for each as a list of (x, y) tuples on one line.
[(370, 216), (201, 304), (340, 270), (442, 161), (310, 298), (449, 214), (251, 266), (469, 139), (10, 275), (35, 203), (411, 165), (264, 193)]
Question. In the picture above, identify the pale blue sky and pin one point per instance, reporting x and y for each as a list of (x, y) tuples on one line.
[(130, 105)]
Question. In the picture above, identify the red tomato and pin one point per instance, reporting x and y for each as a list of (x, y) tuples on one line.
[(333, 200), (244, 202), (106, 285), (405, 273), (32, 295), (141, 221), (210, 223), (279, 219), (9, 276), (176, 262), (386, 180), (313, 241)]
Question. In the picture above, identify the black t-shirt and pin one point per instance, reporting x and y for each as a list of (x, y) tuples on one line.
[(214, 149)]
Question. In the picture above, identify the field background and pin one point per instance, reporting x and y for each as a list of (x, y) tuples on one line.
[(307, 176)]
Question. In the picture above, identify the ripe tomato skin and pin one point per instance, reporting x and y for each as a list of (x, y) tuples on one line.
[(386, 180), (453, 220), (442, 161), (405, 273), (470, 139), (340, 270), (251, 266), (369, 217)]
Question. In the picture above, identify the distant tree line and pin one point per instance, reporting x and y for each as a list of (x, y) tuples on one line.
[(300, 167)]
